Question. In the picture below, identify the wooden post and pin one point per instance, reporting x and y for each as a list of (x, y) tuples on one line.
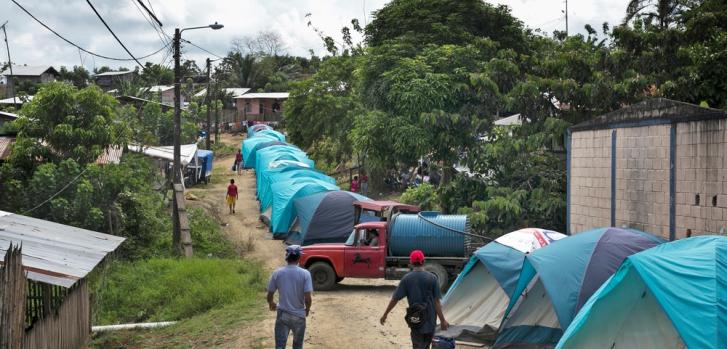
[(12, 299), (185, 244)]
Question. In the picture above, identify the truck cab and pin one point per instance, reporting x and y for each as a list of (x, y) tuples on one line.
[(357, 257)]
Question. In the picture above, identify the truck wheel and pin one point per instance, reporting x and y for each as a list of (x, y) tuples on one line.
[(438, 271), (324, 278)]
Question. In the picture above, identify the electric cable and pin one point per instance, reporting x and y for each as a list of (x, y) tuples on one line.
[(202, 48), (76, 45), (57, 193), (150, 13), (114, 34)]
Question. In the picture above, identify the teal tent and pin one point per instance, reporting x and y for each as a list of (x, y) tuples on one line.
[(271, 133), (268, 155), (257, 128), (249, 144), (283, 210), (276, 166), (558, 279), (266, 191), (671, 296), (251, 159)]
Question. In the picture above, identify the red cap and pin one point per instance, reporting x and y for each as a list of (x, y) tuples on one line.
[(416, 257)]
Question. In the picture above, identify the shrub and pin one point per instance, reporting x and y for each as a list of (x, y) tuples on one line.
[(174, 289), (424, 195), (207, 237)]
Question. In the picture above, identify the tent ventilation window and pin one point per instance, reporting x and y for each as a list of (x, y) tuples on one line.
[(696, 200)]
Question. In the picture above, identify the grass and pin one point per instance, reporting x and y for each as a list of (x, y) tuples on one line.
[(222, 149), (207, 238)]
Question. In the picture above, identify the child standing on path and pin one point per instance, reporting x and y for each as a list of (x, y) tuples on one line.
[(231, 195), (354, 184)]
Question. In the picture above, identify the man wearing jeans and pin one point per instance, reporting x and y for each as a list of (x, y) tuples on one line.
[(294, 286)]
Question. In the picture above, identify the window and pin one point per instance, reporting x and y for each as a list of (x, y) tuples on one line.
[(262, 111), (248, 107)]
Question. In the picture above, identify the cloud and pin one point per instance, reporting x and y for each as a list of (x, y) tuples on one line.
[(33, 45)]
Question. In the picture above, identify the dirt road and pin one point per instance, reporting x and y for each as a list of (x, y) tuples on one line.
[(347, 317)]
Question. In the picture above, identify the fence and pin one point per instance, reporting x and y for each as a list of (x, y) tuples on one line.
[(37, 315)]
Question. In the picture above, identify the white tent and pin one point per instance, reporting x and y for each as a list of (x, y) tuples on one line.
[(187, 152)]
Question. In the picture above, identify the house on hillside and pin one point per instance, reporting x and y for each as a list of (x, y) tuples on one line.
[(44, 268), (658, 166), (164, 93), (25, 74), (115, 79), (261, 106)]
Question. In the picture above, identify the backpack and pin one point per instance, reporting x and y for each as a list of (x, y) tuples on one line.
[(416, 315)]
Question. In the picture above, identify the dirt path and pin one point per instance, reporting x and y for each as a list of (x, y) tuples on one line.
[(346, 317)]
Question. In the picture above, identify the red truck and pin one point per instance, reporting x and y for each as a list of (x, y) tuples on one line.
[(447, 249)]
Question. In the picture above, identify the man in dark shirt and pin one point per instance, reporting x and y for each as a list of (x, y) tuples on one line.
[(420, 287)]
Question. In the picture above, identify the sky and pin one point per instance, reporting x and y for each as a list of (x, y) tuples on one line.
[(31, 44)]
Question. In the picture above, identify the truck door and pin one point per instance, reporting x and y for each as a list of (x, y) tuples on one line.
[(365, 259)]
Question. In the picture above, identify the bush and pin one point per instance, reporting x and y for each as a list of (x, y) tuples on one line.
[(207, 237), (174, 289), (424, 195)]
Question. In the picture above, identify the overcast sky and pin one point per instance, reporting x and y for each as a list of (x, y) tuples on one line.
[(32, 44)]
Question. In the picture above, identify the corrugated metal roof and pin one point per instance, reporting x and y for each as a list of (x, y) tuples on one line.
[(235, 91), (112, 155), (114, 73), (54, 253), (18, 100), (187, 152), (8, 115), (5, 143), (509, 121), (159, 88), (272, 95), (29, 70)]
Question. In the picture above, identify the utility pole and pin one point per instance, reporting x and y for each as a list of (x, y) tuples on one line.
[(177, 167), (11, 83), (566, 17), (209, 104)]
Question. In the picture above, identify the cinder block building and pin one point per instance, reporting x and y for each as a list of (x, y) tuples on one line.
[(659, 166)]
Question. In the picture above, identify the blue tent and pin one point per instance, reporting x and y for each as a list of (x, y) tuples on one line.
[(557, 280), (262, 174), (283, 211), (250, 143), (266, 191), (256, 128), (324, 217), (205, 158), (275, 153), (250, 160), (476, 302), (671, 296), (271, 133)]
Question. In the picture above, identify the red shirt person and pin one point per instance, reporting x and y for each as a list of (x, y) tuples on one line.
[(231, 195)]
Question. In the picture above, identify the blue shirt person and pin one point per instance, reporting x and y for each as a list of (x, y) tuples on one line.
[(419, 287), (294, 287)]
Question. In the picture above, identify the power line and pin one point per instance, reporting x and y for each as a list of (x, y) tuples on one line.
[(150, 13), (57, 193), (151, 23), (114, 34), (77, 46), (202, 48)]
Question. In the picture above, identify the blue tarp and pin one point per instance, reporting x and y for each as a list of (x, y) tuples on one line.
[(263, 175), (325, 217), (251, 158), (688, 280), (268, 155), (265, 187), (271, 133), (249, 144), (205, 157), (283, 210), (570, 271)]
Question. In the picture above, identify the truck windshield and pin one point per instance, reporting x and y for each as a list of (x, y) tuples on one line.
[(351, 238)]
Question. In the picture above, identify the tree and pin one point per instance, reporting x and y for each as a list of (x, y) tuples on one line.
[(62, 122), (79, 76), (155, 74), (664, 12), (264, 43)]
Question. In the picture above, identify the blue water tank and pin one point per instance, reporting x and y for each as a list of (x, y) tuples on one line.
[(410, 232)]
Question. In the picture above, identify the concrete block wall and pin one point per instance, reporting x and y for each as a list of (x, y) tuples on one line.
[(642, 178), (590, 180), (701, 171)]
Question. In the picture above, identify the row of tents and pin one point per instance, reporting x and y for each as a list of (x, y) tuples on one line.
[(603, 288), (298, 203)]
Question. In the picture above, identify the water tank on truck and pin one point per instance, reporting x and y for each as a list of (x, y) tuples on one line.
[(435, 234)]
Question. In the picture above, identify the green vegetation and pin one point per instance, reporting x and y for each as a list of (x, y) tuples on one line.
[(423, 195), (207, 238), (432, 76)]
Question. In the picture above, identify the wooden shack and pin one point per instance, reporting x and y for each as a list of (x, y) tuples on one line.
[(55, 260)]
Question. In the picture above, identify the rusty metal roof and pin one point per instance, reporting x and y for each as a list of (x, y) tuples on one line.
[(5, 143), (54, 253)]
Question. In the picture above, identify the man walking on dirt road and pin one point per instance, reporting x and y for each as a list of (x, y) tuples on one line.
[(294, 286), (421, 290)]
